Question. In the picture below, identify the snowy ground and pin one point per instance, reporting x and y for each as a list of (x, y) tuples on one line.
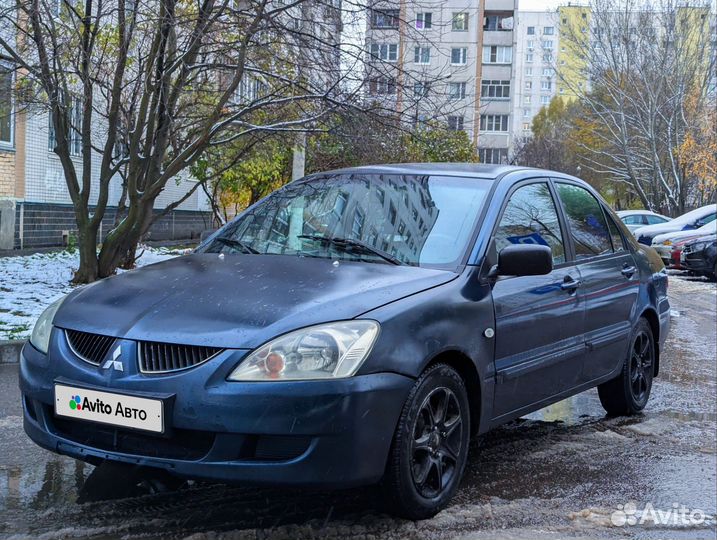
[(29, 284)]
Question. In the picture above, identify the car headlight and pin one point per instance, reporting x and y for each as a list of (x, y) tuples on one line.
[(40, 338), (699, 246), (326, 351)]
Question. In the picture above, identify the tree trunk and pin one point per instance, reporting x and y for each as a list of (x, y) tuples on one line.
[(87, 246), (124, 238)]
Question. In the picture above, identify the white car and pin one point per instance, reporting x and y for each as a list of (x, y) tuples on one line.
[(665, 243), (634, 219), (691, 220)]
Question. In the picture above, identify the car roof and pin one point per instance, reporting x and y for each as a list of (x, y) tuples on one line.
[(470, 170), (637, 212)]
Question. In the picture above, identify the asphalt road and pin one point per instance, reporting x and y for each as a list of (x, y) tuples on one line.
[(564, 472)]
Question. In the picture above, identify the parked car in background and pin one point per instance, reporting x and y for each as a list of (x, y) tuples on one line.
[(691, 220), (634, 219), (700, 256), (666, 244), (354, 327)]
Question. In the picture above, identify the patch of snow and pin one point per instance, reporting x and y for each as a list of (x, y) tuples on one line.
[(31, 283)]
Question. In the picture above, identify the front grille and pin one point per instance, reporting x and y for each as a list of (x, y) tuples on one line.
[(184, 444), (91, 348), (164, 357)]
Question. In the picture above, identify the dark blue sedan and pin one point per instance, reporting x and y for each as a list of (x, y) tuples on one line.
[(354, 327)]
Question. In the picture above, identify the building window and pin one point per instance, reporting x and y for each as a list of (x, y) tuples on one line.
[(497, 54), (547, 72), (6, 106), (547, 44), (494, 122), (493, 155), (420, 89), (545, 100), (456, 90), (74, 135), (531, 30), (530, 44), (526, 113), (424, 20), (382, 86), (549, 31), (498, 23), (495, 89), (547, 57), (529, 71), (455, 123), (460, 22), (526, 126), (529, 57), (526, 99), (384, 18), (459, 55), (388, 52), (528, 85), (422, 55), (357, 225), (546, 85)]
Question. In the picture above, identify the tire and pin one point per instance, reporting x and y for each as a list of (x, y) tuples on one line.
[(430, 446), (627, 394)]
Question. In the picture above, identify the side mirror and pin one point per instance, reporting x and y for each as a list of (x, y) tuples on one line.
[(525, 260)]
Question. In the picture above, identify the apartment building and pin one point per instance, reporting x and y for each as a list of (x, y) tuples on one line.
[(536, 81), (448, 61), (497, 81)]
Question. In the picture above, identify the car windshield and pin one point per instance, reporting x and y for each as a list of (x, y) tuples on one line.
[(391, 219)]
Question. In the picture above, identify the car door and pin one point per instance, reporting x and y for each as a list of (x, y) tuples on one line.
[(539, 319), (610, 280)]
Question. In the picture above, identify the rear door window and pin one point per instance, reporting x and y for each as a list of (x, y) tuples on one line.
[(618, 242), (586, 221), (654, 220), (635, 219)]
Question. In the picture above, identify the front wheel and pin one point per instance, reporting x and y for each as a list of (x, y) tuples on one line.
[(430, 446), (628, 393)]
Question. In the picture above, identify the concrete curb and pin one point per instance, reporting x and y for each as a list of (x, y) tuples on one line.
[(10, 351)]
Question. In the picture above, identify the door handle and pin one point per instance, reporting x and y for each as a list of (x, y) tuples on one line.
[(628, 271), (570, 284)]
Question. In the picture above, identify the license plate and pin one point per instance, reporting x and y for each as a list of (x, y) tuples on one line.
[(109, 408)]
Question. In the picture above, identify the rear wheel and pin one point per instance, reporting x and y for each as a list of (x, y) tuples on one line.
[(430, 446), (628, 393)]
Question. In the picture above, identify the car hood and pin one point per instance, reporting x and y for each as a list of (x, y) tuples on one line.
[(237, 301), (659, 228), (675, 236)]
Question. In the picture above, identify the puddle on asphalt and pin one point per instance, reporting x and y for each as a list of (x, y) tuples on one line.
[(40, 488), (572, 411)]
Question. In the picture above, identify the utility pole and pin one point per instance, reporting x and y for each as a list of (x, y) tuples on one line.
[(298, 164)]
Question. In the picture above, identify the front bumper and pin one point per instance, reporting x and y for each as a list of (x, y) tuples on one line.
[(665, 253), (699, 261), (309, 433)]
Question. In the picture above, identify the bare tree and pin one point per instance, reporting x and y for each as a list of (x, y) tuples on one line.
[(139, 90), (644, 63)]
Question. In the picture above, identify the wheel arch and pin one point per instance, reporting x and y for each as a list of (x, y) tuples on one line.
[(466, 368), (650, 315)]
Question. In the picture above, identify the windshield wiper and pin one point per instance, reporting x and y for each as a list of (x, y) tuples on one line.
[(246, 248), (349, 244)]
